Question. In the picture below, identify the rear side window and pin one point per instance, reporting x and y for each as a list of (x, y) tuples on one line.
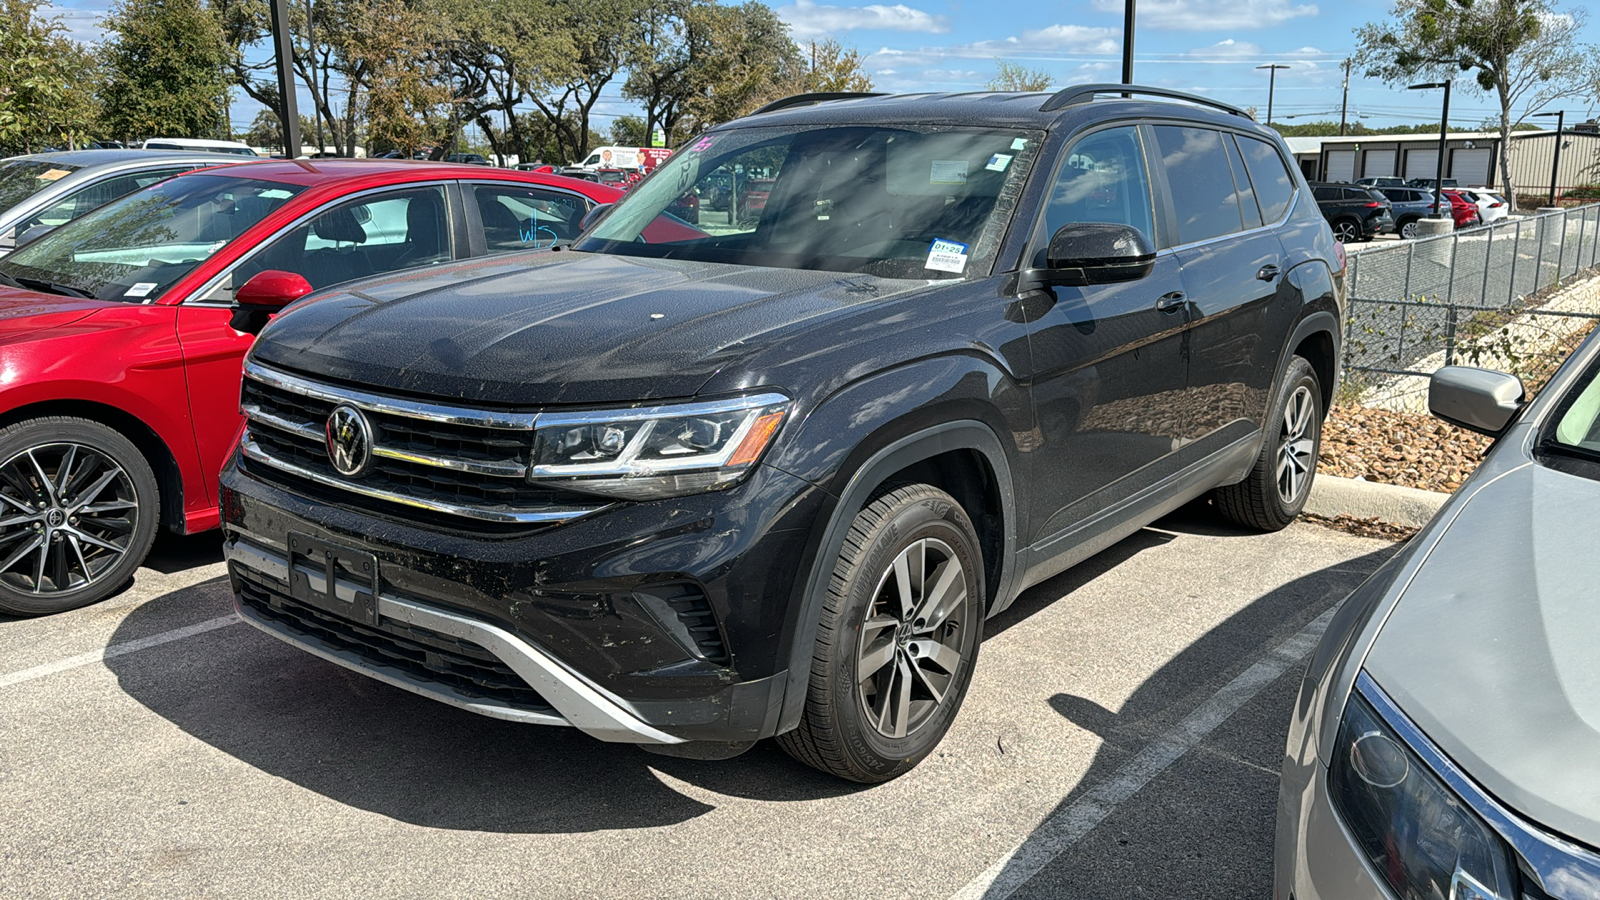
[(1274, 188), (1203, 195), (1325, 193), (1103, 180), (1247, 195)]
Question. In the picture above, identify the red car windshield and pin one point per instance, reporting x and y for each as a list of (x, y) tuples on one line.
[(135, 248)]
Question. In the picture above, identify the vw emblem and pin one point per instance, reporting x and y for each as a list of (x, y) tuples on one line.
[(349, 442)]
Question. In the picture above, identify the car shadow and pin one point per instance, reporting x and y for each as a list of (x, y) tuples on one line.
[(173, 553), (1209, 826)]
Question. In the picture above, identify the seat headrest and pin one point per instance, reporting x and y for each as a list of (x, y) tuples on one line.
[(339, 225)]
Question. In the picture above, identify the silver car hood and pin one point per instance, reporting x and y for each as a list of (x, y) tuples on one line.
[(1494, 647)]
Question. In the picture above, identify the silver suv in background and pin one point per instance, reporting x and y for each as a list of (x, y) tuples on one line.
[(47, 190)]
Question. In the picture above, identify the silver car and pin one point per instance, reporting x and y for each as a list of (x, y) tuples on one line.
[(1446, 741), (46, 190)]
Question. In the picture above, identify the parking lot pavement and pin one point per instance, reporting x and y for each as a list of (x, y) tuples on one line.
[(1121, 739)]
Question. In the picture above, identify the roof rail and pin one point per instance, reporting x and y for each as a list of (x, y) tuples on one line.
[(815, 97), (1084, 93)]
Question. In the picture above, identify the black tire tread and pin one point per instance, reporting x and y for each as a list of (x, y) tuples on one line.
[(817, 741), (1253, 502)]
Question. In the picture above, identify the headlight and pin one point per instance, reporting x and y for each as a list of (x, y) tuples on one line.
[(1419, 836), (663, 451)]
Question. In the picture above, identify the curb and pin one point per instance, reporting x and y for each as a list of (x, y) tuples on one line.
[(1334, 496)]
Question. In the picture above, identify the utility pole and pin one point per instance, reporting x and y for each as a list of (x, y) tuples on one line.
[(1555, 164), (1272, 86), (1344, 107)]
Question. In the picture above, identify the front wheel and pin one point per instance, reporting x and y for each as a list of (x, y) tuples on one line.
[(78, 510), (1275, 491), (1408, 229), (899, 635)]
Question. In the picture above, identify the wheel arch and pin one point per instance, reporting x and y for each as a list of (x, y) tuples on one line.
[(169, 477), (963, 457)]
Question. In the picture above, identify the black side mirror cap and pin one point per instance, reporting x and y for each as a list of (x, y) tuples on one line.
[(593, 216), (1084, 253), (1478, 400)]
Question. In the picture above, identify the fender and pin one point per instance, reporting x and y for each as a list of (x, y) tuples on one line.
[(967, 434), (1319, 313)]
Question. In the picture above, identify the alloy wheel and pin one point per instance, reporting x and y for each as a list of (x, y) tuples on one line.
[(1346, 233), (1296, 445), (68, 513), (1409, 231), (909, 648)]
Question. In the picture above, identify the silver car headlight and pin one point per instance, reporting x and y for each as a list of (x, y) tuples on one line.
[(656, 452), (1417, 833)]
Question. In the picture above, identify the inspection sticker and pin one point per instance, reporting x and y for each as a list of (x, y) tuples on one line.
[(140, 289), (948, 171), (53, 174), (998, 162), (1019, 144), (946, 256)]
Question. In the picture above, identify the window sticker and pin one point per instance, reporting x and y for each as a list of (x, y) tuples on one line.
[(948, 171), (53, 174), (946, 256), (141, 289), (998, 162), (1019, 144), (702, 144)]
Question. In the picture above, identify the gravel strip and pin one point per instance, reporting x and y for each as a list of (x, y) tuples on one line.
[(1407, 449)]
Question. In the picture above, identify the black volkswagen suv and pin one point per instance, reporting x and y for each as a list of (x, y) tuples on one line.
[(693, 486)]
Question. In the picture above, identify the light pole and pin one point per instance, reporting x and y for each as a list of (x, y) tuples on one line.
[(1127, 41), (1444, 131), (1555, 167), (281, 39), (1272, 85)]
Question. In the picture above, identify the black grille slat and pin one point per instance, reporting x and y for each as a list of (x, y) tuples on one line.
[(694, 611), (419, 652)]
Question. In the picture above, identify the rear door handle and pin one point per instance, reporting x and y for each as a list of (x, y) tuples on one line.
[(1170, 302), (1267, 272)]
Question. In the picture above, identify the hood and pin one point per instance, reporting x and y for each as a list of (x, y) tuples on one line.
[(24, 312), (1492, 649), (563, 327)]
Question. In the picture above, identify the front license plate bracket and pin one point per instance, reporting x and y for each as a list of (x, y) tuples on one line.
[(337, 579)]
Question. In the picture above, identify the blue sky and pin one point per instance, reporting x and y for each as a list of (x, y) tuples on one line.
[(1206, 46)]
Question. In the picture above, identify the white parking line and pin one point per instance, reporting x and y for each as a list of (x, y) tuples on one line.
[(1069, 824), (126, 647)]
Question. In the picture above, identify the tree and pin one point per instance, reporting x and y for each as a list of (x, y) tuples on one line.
[(1524, 52), (742, 59), (629, 131), (1010, 76), (659, 73), (606, 36), (408, 104), (46, 81), (166, 70), (827, 66), (267, 131)]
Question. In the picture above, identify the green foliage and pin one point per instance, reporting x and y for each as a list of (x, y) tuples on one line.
[(1010, 76), (828, 66), (1586, 192), (46, 81), (166, 70)]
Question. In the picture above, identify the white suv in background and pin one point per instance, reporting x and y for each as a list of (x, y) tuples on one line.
[(1491, 206)]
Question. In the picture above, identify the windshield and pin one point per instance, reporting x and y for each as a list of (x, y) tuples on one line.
[(1578, 422), (904, 201), (137, 247), (22, 178)]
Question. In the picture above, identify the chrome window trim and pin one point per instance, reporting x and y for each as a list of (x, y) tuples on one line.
[(1561, 867), (215, 280), (549, 514), (411, 409)]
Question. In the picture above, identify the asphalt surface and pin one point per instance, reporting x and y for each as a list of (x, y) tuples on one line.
[(1121, 739)]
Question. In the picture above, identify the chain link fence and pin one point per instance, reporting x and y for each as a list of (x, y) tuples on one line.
[(1493, 296)]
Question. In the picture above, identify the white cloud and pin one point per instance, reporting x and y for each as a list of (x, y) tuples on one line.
[(1228, 49), (807, 20), (81, 24), (1211, 15), (1054, 38)]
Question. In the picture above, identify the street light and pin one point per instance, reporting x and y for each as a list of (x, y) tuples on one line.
[(1272, 84), (1555, 167), (1444, 130), (1127, 41)]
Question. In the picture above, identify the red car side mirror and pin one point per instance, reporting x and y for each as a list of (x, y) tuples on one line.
[(265, 294)]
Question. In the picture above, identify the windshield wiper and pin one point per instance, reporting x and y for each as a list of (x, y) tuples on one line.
[(8, 281), (53, 287)]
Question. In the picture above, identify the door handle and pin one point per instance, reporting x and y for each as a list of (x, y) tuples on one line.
[(1267, 272), (1171, 302)]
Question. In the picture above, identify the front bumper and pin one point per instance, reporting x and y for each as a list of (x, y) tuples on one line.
[(647, 623), (1316, 857)]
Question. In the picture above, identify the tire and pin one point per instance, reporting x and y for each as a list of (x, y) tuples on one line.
[(78, 512), (1347, 231), (1275, 491), (1408, 229), (872, 728)]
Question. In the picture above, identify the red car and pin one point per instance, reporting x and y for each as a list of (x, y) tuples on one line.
[(119, 365), (1464, 211)]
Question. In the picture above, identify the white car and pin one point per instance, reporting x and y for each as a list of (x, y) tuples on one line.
[(202, 145), (1491, 206)]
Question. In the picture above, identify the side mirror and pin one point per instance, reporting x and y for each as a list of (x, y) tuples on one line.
[(36, 231), (1084, 253), (264, 295), (1475, 399), (594, 215)]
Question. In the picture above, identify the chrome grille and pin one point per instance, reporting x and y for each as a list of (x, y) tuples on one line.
[(426, 457)]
